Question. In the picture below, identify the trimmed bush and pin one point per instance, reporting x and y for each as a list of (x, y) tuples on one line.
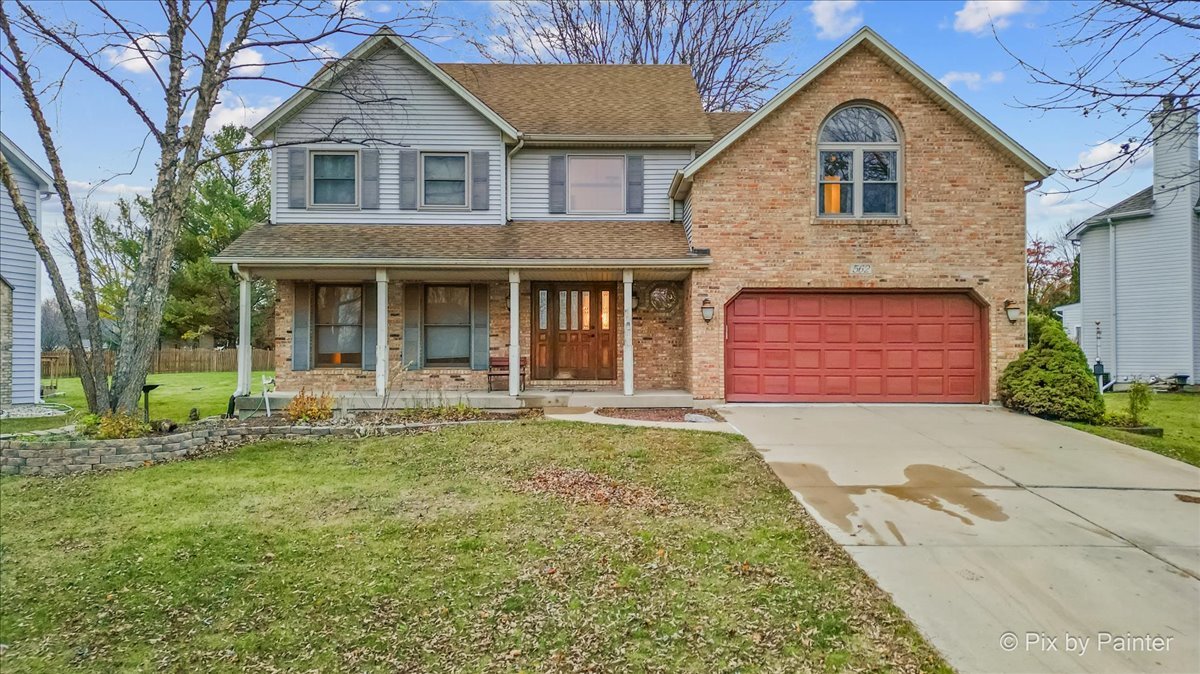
[(1036, 322), (1052, 380), (1139, 401)]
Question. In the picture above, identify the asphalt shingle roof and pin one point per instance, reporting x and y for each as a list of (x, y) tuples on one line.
[(521, 240), (1138, 202), (588, 99), (722, 123)]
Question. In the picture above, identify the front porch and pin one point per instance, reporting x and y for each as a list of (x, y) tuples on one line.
[(387, 338)]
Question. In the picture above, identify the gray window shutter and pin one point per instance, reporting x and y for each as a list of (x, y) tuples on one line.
[(480, 179), (479, 326), (558, 183), (302, 327), (370, 330), (413, 294), (634, 190), (370, 179), (297, 177), (408, 179)]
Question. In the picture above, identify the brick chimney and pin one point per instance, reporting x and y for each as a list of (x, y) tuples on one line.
[(1176, 166)]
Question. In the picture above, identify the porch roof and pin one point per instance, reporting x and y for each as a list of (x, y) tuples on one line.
[(519, 243)]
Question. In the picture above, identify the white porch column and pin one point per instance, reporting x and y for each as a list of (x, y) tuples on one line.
[(627, 324), (244, 356), (514, 332), (381, 332)]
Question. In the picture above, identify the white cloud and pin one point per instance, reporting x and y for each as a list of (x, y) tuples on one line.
[(140, 55), (108, 188), (381, 8), (325, 51), (248, 63), (977, 16), (349, 8), (970, 79), (1107, 151), (231, 109), (834, 19)]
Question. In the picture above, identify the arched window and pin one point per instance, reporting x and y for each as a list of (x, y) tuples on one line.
[(859, 167)]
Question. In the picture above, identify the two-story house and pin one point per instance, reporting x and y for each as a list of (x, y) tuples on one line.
[(20, 283), (1139, 261), (858, 238)]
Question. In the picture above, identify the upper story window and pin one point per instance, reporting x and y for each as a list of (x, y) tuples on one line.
[(444, 180), (596, 184), (334, 178), (859, 171)]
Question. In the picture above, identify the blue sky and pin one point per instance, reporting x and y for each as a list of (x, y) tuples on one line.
[(953, 40)]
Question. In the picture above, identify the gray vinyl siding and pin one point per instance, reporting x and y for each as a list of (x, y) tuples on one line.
[(530, 183), (429, 117), (20, 266), (1156, 310), (1195, 298)]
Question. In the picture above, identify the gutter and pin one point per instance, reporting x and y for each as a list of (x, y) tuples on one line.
[(492, 263), (1112, 291), (553, 138), (508, 178), (1082, 227)]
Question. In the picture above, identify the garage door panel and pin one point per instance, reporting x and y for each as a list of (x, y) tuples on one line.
[(848, 346)]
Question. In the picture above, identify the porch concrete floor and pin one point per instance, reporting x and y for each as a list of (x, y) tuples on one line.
[(495, 400)]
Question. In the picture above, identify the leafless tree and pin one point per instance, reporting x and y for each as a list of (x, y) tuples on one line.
[(191, 55), (1095, 74), (727, 43)]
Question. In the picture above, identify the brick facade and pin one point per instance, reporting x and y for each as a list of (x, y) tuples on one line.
[(659, 362), (962, 224)]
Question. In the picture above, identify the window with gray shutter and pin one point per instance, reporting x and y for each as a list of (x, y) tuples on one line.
[(411, 349), (634, 190), (480, 179), (370, 179), (369, 328), (408, 179), (297, 196), (302, 327), (479, 326), (558, 183)]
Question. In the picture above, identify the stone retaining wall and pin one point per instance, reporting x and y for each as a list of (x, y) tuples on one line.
[(66, 457)]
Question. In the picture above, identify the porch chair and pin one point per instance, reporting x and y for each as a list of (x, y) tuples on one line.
[(498, 368)]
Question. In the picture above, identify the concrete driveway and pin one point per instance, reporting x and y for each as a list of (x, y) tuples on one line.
[(1014, 544)]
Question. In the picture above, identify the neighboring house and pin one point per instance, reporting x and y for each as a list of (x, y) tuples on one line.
[(1139, 308), (856, 239), (1072, 320), (21, 286)]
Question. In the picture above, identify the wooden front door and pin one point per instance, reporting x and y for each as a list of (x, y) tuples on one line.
[(574, 330)]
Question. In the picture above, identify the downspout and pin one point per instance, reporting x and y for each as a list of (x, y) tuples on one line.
[(508, 178), (1112, 291)]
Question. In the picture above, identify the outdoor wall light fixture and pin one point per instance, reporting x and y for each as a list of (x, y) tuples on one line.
[(1012, 311), (633, 302), (707, 310)]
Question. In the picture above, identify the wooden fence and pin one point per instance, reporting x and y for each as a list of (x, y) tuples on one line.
[(61, 364)]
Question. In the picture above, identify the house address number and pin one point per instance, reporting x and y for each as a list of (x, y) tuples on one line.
[(860, 269)]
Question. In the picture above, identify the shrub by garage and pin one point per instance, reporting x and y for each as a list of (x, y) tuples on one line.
[(1052, 380)]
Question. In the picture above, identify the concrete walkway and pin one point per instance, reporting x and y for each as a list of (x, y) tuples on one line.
[(586, 414), (1014, 544)]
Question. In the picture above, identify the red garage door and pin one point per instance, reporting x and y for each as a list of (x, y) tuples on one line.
[(853, 347)]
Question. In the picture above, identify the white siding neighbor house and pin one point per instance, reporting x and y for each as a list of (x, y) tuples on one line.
[(20, 284), (1139, 308)]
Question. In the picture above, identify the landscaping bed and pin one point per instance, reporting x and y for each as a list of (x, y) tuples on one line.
[(657, 413), (528, 546)]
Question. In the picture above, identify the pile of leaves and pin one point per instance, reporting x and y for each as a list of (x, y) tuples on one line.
[(582, 487), (1052, 379)]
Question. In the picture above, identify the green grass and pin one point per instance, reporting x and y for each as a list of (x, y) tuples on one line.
[(178, 393), (416, 553), (1178, 414)]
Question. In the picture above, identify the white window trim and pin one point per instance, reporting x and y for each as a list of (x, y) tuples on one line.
[(466, 155), (857, 181), (425, 365), (624, 183), (312, 204), (314, 354)]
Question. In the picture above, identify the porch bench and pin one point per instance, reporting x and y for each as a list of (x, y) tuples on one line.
[(498, 368)]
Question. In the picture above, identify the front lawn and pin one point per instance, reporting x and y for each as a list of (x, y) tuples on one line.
[(177, 394), (1178, 414), (466, 549)]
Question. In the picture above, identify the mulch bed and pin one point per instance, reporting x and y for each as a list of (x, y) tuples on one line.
[(656, 413), (584, 487)]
